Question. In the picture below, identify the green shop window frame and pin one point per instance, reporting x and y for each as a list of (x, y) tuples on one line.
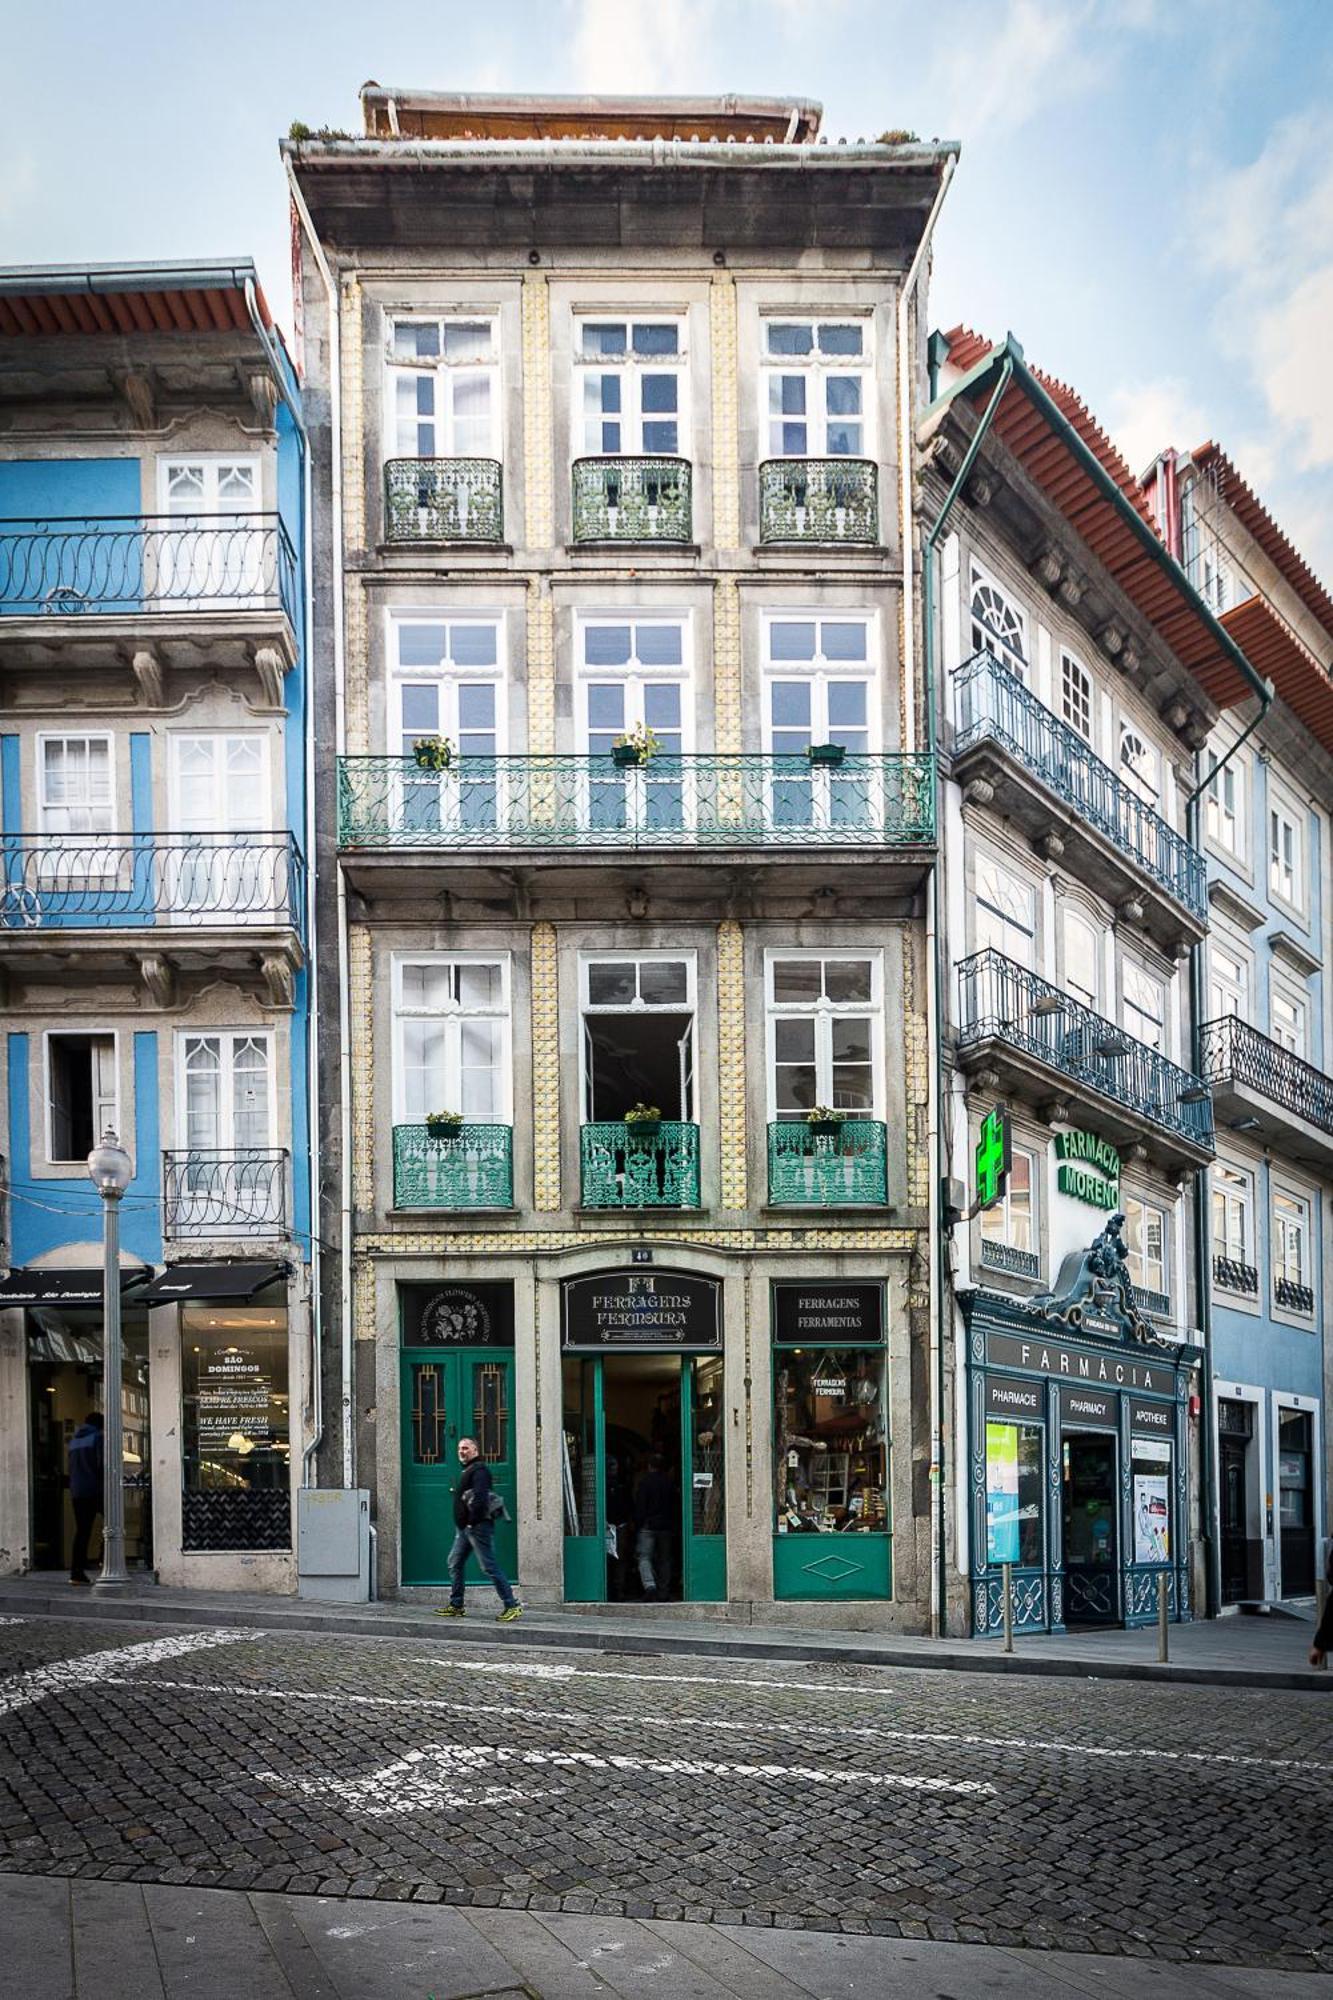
[(849, 1564)]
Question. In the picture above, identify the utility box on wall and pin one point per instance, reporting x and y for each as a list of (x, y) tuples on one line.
[(333, 1543)]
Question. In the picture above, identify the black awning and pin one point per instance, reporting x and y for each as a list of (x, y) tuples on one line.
[(76, 1287), (180, 1283)]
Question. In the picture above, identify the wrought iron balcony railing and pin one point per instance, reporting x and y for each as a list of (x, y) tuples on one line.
[(993, 706), (1004, 1002), (1231, 1275), (824, 500), (208, 1192), (632, 500), (472, 1167), (620, 1167), (141, 564), (1231, 1051), (132, 880), (832, 1169), (1007, 1257), (701, 800), (443, 500), (1295, 1297)]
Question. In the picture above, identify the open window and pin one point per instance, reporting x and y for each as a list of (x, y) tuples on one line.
[(80, 1093), (638, 1036)]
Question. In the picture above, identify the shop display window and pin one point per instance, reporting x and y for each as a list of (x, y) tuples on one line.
[(236, 1433), (1151, 1463), (1015, 1525), (831, 1442)]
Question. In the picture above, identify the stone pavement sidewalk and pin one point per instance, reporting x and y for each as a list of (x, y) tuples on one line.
[(1236, 1651), (71, 1940)]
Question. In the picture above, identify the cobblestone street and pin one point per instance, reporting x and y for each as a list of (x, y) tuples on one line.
[(1177, 1824)]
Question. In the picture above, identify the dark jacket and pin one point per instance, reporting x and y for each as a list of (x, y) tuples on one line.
[(86, 1463), (655, 1503), (472, 1496), (1323, 1638)]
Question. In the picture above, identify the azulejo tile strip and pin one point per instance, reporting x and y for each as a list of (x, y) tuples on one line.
[(545, 1072), (520, 1242), (916, 1079), (363, 1300), (541, 692), (726, 413), (356, 648), (360, 1001), (538, 475), (727, 668), (731, 1060)]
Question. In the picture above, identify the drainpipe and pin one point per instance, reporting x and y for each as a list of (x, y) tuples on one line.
[(936, 975), (905, 454), (340, 745), (308, 1472)]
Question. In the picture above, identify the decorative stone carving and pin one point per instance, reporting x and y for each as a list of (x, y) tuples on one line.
[(158, 975), (1047, 566), (978, 792), (1054, 1111), (980, 489), (1071, 589), (1111, 639), (1176, 714), (147, 669), (1131, 910), (1050, 845), (279, 980), (137, 390), (269, 667), (263, 393)]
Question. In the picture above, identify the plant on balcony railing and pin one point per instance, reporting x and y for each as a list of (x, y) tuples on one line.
[(1004, 1002), (108, 880), (621, 1167), (993, 706), (826, 500), (700, 800), (1231, 1275), (1007, 1257), (432, 753), (210, 1192), (145, 563), (1231, 1051), (443, 500), (638, 746), (1295, 1297), (632, 500), (457, 1164), (837, 1162)]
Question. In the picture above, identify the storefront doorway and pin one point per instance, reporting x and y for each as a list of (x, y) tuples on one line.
[(1091, 1541), (450, 1391), (64, 1385), (1235, 1426), (1296, 1501)]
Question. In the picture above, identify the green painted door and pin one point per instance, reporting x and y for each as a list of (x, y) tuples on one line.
[(448, 1395), (703, 1496), (583, 1481)]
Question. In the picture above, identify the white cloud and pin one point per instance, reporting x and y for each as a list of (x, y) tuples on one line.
[(636, 45), (998, 65), (1144, 418)]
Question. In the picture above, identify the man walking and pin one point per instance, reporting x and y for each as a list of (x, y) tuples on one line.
[(86, 1463), (474, 1522), (656, 1512)]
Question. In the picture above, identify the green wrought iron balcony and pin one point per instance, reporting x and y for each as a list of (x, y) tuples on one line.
[(1001, 723), (621, 1166), (1272, 1090), (841, 1168), (443, 500), (471, 1167), (632, 500), (1045, 1044), (706, 800), (822, 500)]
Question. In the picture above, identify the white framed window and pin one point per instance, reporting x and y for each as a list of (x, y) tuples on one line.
[(225, 1090), (1293, 1267), (1013, 1219), (82, 1094), (1005, 911), (75, 785), (1082, 946), (1142, 1005), (218, 782), (1140, 765), (638, 1012), (1233, 1213), (820, 685), (1145, 1242), (444, 388), (1224, 812), (209, 483), (1289, 1019), (816, 387), (452, 1038), (825, 1033), (1076, 695), (1228, 982), (447, 679), (634, 672), (1286, 855), (999, 622), (630, 386)]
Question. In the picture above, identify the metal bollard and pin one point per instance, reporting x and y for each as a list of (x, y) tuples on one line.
[(1163, 1594), (1007, 1605)]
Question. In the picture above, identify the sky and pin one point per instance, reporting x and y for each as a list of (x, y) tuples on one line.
[(1144, 198)]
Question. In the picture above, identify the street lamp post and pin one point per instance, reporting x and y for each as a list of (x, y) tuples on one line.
[(109, 1169)]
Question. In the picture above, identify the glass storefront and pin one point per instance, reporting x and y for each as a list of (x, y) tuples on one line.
[(1015, 1475), (235, 1428), (65, 1384)]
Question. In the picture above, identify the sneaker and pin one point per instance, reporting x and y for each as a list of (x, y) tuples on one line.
[(451, 1611), (509, 1614)]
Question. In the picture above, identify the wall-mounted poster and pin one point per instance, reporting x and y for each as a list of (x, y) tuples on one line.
[(1002, 1493), (1152, 1501)]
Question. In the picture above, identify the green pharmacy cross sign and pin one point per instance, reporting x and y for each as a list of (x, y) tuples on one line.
[(1089, 1169), (992, 1159)]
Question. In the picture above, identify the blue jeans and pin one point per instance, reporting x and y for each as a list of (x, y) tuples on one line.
[(478, 1539)]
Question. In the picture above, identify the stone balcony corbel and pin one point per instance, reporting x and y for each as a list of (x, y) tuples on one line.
[(1048, 565), (1070, 589), (158, 976), (269, 667), (1131, 910), (146, 666), (1111, 639), (279, 980)]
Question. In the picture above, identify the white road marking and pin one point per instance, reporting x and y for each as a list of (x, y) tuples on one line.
[(430, 1777), (22, 1690)]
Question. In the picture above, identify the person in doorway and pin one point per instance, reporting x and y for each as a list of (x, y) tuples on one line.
[(86, 1489), (619, 1529), (654, 1523), (475, 1514), (1322, 1643)]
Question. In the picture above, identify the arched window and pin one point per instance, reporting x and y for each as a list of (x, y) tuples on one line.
[(999, 626)]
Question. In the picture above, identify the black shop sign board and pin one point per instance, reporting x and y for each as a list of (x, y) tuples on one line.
[(827, 1315), (662, 1309), (1157, 1419), (1082, 1409), (1010, 1396), (457, 1315)]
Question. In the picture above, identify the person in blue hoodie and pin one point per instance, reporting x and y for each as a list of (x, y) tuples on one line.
[(86, 1487)]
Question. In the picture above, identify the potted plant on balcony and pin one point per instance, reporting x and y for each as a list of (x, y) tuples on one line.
[(432, 753), (824, 1122), (826, 753), (635, 747), (642, 1121), (442, 1125)]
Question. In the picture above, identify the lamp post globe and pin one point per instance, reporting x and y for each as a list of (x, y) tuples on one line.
[(110, 1170)]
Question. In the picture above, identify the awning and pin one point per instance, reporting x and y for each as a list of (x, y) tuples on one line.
[(180, 1283), (75, 1287)]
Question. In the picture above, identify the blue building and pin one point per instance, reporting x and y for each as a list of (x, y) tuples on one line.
[(154, 715), (1266, 1042)]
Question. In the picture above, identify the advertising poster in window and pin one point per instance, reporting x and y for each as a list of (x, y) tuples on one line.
[(1002, 1493), (1152, 1501)]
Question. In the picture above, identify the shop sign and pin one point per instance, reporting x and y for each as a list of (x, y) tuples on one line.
[(1075, 1364), (233, 1407), (457, 1315), (1155, 1417), (827, 1315), (1089, 1169), (641, 1309), (992, 1159), (1008, 1396), (1084, 1406)]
